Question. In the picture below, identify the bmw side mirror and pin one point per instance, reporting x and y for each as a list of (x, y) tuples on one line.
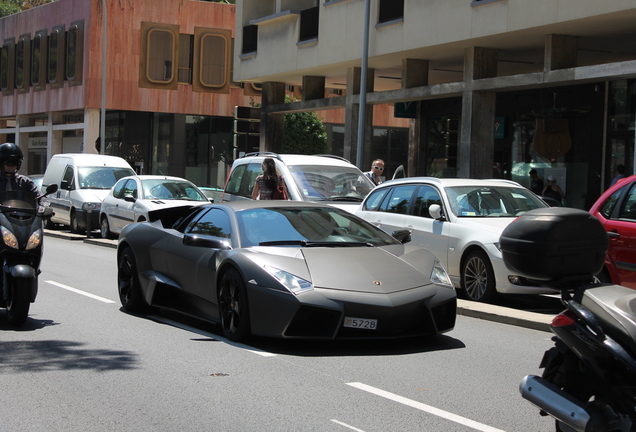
[(435, 211)]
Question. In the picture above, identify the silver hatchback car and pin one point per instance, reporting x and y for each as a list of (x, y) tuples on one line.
[(460, 221)]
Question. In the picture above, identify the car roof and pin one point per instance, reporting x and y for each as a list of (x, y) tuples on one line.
[(451, 182), (296, 159)]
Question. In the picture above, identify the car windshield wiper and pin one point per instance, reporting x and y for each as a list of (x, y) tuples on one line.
[(306, 243)]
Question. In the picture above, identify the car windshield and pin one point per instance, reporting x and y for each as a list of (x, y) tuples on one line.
[(328, 182), (491, 201), (101, 177), (308, 226), (165, 189)]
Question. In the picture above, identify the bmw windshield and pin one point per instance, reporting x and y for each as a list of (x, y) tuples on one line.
[(491, 201), (331, 183)]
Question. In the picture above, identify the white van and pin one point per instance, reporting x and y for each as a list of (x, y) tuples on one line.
[(83, 182)]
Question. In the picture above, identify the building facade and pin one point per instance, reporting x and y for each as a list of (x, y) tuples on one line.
[(491, 88), (165, 88)]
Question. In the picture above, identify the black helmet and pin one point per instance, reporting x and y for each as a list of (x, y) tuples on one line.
[(9, 152)]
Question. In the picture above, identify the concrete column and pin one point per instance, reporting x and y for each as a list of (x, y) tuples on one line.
[(560, 52), (272, 125), (414, 73), (476, 145), (352, 114), (313, 87), (55, 137), (91, 129), (477, 138)]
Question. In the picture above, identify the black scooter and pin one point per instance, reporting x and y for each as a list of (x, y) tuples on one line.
[(21, 251), (589, 378)]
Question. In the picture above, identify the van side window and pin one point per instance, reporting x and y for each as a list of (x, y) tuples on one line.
[(67, 179), (426, 196), (234, 181), (253, 170), (400, 200)]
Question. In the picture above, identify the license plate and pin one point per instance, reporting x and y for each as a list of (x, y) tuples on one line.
[(361, 323)]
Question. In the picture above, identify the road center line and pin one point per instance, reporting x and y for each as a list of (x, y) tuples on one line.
[(84, 293), (426, 408), (210, 335)]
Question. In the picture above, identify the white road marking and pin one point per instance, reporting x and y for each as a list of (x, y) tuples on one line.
[(347, 426), (426, 408), (84, 293), (210, 335)]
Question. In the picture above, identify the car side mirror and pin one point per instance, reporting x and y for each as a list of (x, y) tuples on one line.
[(64, 184), (403, 236), (130, 198), (435, 211)]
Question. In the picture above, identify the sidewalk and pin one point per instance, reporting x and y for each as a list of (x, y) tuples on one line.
[(505, 315)]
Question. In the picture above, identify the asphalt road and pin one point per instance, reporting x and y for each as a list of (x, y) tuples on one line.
[(82, 364)]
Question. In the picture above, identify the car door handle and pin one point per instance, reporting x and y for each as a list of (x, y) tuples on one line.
[(613, 234)]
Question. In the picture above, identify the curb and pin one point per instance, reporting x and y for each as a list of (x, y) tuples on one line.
[(504, 315), (500, 314)]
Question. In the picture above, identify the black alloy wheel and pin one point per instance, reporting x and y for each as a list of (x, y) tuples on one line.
[(233, 306), (478, 277), (129, 287)]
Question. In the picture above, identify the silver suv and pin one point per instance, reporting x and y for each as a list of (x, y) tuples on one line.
[(323, 178)]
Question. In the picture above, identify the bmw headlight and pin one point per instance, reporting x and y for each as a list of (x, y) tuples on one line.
[(439, 275), (292, 283), (8, 238), (34, 240)]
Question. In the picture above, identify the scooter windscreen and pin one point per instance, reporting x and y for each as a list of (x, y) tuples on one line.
[(18, 199)]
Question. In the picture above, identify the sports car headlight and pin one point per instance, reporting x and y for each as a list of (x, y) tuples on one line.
[(34, 240), (294, 284), (439, 275), (8, 238)]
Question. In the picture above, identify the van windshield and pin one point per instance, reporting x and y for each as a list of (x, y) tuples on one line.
[(101, 177)]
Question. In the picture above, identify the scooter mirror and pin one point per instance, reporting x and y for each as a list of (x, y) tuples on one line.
[(52, 188)]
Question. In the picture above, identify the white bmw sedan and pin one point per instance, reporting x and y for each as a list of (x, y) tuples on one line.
[(460, 221), (133, 197)]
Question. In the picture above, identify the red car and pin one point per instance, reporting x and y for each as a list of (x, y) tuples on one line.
[(616, 209)]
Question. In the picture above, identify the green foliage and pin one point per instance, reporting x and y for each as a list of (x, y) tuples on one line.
[(304, 133), (9, 7)]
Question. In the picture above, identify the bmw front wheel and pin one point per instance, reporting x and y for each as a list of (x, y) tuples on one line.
[(478, 277)]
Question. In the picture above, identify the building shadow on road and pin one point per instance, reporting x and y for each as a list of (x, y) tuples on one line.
[(51, 355), (55, 355)]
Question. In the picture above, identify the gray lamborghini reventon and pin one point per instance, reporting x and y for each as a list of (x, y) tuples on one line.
[(284, 269)]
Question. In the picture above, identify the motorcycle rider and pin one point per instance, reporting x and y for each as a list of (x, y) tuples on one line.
[(10, 162)]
